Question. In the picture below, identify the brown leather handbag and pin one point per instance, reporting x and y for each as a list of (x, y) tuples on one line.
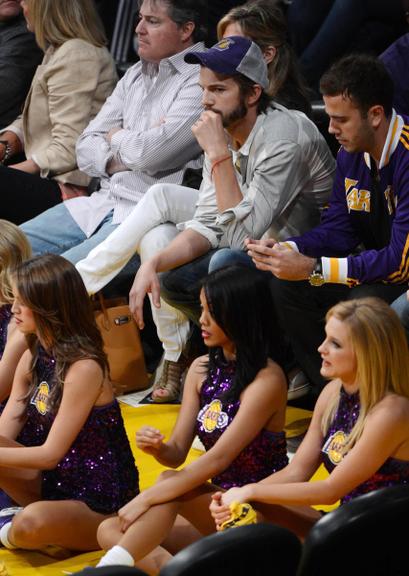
[(122, 344)]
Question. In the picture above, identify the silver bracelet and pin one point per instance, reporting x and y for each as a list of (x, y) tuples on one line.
[(7, 152)]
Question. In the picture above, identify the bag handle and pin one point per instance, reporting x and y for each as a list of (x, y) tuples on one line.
[(104, 311)]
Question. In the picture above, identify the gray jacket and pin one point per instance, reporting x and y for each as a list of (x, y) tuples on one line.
[(285, 171)]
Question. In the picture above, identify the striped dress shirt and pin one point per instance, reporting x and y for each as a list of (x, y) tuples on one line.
[(154, 107)]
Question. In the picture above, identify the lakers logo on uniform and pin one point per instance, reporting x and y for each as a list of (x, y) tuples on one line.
[(358, 200), (40, 398), (212, 416), (333, 447)]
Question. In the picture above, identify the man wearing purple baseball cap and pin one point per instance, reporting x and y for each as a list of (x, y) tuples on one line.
[(267, 170), (233, 55)]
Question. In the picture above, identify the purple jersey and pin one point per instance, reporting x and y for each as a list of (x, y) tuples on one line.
[(266, 454), (99, 468), (368, 209), (392, 471)]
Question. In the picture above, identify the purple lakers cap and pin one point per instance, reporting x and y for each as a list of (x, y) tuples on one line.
[(232, 55)]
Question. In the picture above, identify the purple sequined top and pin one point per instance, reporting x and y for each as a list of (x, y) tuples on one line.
[(391, 473), (5, 317), (266, 454), (99, 468)]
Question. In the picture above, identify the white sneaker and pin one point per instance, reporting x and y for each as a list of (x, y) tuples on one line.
[(6, 517), (6, 514)]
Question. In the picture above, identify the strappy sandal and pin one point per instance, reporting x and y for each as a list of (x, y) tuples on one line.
[(167, 388)]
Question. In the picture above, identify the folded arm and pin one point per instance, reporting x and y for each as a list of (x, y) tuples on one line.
[(164, 145)]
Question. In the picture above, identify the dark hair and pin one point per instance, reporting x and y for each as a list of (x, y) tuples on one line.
[(362, 78), (264, 22), (55, 293), (240, 301), (182, 11), (246, 85)]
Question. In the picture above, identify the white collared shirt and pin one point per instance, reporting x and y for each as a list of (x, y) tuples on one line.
[(155, 107)]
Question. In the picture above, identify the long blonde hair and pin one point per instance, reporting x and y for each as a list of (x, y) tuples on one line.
[(264, 22), (382, 357), (56, 21), (14, 249)]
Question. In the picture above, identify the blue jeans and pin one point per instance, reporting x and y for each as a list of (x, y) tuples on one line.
[(56, 231), (181, 286), (228, 257), (401, 307)]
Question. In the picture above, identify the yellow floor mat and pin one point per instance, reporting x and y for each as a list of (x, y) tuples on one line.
[(163, 417)]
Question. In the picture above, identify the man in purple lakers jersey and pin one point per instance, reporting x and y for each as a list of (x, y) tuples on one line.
[(361, 246)]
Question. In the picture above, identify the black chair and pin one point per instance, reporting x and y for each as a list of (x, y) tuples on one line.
[(367, 536), (111, 571), (255, 550)]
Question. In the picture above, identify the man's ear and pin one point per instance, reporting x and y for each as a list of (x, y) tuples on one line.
[(375, 115), (254, 96), (187, 30)]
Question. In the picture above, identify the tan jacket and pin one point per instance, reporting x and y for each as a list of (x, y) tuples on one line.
[(67, 91)]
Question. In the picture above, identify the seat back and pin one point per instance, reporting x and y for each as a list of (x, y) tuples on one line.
[(366, 536), (243, 551)]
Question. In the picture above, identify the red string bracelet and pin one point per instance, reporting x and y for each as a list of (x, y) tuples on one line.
[(219, 161)]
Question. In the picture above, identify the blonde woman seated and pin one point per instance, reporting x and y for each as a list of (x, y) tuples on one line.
[(75, 78), (359, 429)]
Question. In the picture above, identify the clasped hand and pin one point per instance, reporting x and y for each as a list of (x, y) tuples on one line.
[(279, 259), (220, 504), (132, 511)]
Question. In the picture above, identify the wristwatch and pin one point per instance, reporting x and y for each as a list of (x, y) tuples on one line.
[(7, 152), (316, 277)]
